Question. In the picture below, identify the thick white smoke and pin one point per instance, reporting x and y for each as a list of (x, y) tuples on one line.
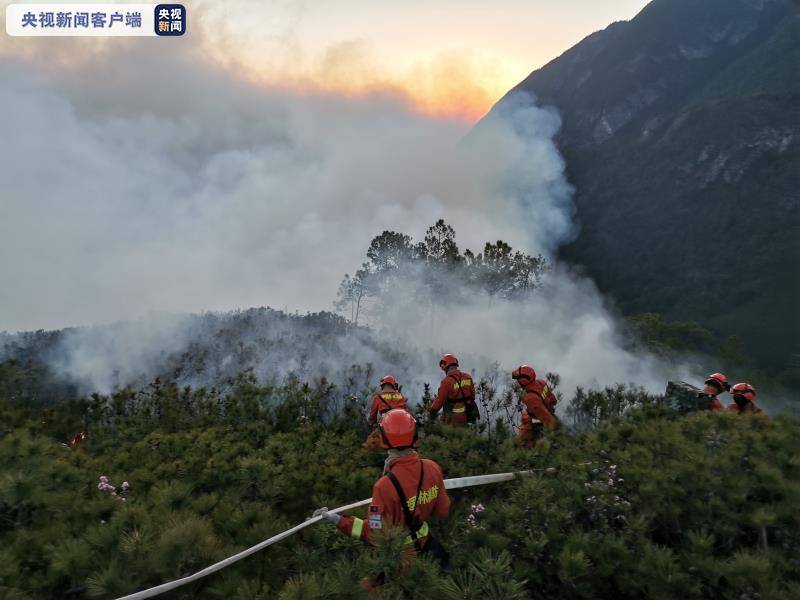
[(153, 181)]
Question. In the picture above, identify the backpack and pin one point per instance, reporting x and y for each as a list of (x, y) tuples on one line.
[(473, 414), (684, 398)]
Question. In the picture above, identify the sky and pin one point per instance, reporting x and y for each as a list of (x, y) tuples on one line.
[(452, 58)]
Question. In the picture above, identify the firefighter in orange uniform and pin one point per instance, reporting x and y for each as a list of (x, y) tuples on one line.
[(716, 384), (540, 405), (410, 491), (744, 401), (387, 399), (456, 395)]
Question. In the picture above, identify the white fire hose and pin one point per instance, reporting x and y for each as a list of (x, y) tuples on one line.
[(450, 484)]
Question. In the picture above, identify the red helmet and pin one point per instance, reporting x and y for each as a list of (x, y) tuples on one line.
[(389, 380), (744, 390), (448, 360), (524, 372), (719, 380), (398, 429)]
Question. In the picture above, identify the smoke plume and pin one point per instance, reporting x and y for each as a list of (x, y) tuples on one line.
[(138, 180)]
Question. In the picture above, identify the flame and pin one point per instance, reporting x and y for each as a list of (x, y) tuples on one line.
[(77, 438)]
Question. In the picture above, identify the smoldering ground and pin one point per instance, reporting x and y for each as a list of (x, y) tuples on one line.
[(136, 180)]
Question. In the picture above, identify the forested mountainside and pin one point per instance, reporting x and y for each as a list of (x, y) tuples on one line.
[(681, 133)]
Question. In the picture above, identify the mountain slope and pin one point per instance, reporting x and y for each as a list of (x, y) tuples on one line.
[(681, 131)]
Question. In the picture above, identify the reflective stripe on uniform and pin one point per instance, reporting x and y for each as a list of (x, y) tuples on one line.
[(385, 398), (421, 533), (358, 525), (459, 410)]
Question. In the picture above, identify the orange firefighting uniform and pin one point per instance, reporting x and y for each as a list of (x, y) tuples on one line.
[(385, 508), (716, 405), (540, 406), (751, 409), (456, 391), (384, 402)]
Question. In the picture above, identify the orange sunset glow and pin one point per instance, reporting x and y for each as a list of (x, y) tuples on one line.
[(449, 58), (449, 86)]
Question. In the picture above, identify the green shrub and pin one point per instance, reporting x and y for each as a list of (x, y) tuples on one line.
[(638, 505)]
